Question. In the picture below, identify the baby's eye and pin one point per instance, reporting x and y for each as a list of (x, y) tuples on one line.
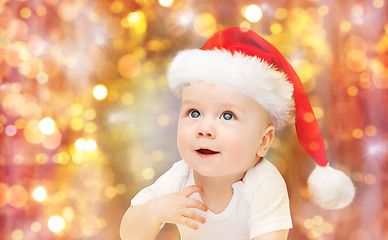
[(227, 116), (194, 114)]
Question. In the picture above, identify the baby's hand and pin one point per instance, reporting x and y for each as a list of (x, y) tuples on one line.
[(174, 208)]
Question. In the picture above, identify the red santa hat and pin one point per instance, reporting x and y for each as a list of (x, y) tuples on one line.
[(243, 60)]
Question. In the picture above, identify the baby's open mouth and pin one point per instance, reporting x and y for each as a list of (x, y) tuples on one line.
[(206, 151)]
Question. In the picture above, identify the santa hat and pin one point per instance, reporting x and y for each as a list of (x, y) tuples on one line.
[(242, 60)]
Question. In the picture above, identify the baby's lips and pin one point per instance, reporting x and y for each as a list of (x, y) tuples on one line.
[(206, 151)]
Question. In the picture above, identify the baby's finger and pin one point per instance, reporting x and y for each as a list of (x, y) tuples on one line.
[(193, 203), (191, 189), (188, 223), (194, 216)]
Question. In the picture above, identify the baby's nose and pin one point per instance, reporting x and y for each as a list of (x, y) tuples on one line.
[(206, 130)]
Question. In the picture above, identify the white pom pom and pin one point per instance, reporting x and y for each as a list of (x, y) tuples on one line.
[(330, 188)]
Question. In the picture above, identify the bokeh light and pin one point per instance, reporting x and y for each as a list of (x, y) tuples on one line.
[(39, 194), (56, 224), (100, 92), (47, 126), (253, 13), (87, 119)]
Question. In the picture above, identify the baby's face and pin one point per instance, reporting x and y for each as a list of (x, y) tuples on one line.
[(219, 130)]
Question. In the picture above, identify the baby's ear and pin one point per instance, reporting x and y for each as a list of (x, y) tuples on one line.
[(266, 140)]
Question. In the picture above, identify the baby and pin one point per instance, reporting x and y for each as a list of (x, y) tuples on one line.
[(236, 90)]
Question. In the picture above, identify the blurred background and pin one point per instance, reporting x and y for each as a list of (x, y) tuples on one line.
[(87, 120)]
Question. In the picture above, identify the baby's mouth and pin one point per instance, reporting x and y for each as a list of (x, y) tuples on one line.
[(206, 152)]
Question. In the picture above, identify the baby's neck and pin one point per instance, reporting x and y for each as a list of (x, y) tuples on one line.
[(218, 191)]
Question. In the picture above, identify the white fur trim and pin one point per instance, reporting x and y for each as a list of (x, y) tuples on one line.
[(249, 75), (330, 188)]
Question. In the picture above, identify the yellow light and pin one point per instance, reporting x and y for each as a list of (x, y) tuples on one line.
[(39, 194), (80, 144), (56, 224), (117, 6), (253, 13), (68, 213), (47, 126), (90, 145), (281, 13), (100, 92), (110, 192), (25, 13), (165, 3), (17, 234), (148, 173), (378, 3), (36, 227), (205, 24), (276, 28), (134, 17)]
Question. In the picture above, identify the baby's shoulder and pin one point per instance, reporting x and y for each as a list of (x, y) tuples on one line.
[(263, 173)]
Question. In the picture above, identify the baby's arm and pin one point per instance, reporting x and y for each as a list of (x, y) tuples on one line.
[(277, 235), (144, 222)]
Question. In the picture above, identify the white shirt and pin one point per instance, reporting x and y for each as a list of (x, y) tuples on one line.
[(259, 203)]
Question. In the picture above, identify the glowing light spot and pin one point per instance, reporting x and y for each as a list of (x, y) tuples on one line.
[(378, 3), (41, 11), (323, 10), (110, 192), (205, 25), (276, 28), (90, 114), (309, 117), (129, 66), (134, 17), (17, 196), (370, 179), (117, 6), (90, 127), (68, 213), (36, 227), (345, 26), (148, 173), (90, 145), (253, 13), (77, 124), (352, 91), (52, 141), (370, 130), (39, 194), (41, 158), (121, 188), (17, 234), (25, 13), (165, 3), (100, 92), (185, 18), (42, 78), (318, 112), (10, 130), (80, 144), (127, 98), (47, 126), (374, 149), (357, 133), (56, 224), (314, 146), (281, 13)]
